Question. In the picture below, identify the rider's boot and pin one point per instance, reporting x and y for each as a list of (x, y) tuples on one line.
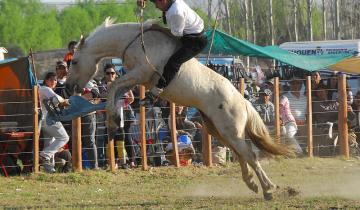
[(151, 96)]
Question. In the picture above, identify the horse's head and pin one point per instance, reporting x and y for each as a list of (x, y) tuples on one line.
[(82, 68)]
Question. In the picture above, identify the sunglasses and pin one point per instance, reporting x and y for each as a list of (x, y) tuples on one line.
[(108, 73)]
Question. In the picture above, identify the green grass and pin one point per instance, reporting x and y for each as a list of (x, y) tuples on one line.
[(317, 183)]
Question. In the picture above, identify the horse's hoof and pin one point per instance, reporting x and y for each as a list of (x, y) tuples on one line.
[(268, 196), (254, 187)]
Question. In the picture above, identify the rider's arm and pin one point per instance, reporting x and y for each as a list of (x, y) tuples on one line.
[(177, 25)]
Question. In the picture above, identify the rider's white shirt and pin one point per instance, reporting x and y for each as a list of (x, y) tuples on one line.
[(183, 20)]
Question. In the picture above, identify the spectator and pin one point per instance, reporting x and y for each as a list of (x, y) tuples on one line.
[(54, 132), (265, 107), (88, 126), (182, 123), (61, 73), (315, 80), (332, 87), (324, 110), (298, 106), (289, 126), (69, 56), (123, 138)]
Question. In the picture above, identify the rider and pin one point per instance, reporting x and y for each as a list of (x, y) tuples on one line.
[(183, 23)]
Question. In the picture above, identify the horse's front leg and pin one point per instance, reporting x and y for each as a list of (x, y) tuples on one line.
[(117, 90)]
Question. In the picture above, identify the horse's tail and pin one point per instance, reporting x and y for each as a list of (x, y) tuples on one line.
[(259, 134)]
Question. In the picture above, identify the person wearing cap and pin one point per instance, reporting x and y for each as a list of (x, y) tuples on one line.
[(189, 27), (265, 107), (62, 71)]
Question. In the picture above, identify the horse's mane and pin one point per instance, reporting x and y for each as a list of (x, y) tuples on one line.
[(110, 21)]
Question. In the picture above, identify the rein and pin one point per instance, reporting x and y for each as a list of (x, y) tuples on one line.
[(141, 34)]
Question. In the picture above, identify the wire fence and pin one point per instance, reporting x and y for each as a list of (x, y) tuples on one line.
[(333, 130)]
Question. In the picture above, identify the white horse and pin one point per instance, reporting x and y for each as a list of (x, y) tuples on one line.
[(226, 114)]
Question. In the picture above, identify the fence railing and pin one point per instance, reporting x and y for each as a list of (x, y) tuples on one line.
[(310, 144)]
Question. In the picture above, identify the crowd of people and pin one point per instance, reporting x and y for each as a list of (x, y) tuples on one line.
[(293, 109)]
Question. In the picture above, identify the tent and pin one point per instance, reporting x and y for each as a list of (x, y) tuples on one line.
[(228, 45), (16, 97), (350, 65)]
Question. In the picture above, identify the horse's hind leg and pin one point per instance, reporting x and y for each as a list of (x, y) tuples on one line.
[(247, 174), (249, 157)]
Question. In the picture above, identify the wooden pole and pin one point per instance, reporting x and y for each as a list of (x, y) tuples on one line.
[(143, 131), (309, 117), (173, 135), (343, 126), (111, 150), (36, 134), (277, 110), (76, 145), (207, 150), (242, 86)]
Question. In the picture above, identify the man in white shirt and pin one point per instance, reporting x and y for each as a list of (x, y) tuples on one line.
[(186, 24)]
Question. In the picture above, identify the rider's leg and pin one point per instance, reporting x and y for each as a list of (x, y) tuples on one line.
[(191, 46)]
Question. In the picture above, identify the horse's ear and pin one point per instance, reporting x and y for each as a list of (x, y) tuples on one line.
[(82, 41)]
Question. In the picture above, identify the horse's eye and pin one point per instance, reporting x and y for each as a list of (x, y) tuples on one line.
[(73, 62)]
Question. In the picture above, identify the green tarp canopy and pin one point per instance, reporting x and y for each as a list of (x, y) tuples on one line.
[(227, 45)]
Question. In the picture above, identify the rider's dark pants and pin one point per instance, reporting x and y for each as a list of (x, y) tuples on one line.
[(192, 45)]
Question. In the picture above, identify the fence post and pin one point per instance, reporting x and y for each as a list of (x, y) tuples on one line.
[(111, 154), (76, 145), (143, 131), (173, 135), (277, 110), (242, 86), (343, 126), (207, 150), (309, 117), (36, 134), (111, 150)]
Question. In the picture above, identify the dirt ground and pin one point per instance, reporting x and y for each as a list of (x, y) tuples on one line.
[(330, 183)]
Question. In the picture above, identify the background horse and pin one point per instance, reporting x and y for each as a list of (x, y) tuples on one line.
[(226, 114)]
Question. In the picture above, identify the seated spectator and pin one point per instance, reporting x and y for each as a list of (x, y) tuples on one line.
[(289, 126), (54, 132)]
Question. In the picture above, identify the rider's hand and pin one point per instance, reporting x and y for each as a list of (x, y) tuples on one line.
[(141, 3)]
